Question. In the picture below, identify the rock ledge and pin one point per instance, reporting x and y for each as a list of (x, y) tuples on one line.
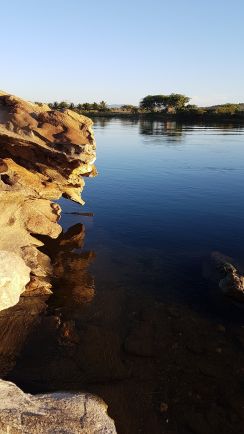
[(69, 413)]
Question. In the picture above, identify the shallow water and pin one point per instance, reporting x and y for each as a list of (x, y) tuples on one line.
[(136, 315)]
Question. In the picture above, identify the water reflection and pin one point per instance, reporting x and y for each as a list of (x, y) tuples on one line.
[(146, 335), (160, 366), (157, 364), (73, 286), (172, 130), (71, 279)]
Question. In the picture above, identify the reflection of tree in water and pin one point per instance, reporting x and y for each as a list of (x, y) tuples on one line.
[(125, 121), (101, 121), (129, 121), (172, 130)]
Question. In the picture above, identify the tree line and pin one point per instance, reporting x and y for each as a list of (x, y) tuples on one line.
[(86, 106), (174, 103)]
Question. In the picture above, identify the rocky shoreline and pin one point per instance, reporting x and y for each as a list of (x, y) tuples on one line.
[(161, 366), (44, 155)]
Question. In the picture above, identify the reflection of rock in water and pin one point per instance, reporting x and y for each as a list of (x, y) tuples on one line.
[(74, 286), (16, 323), (169, 369), (160, 367), (71, 279), (70, 268)]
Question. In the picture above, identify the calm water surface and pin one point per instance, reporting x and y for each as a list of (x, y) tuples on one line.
[(136, 316), (167, 196)]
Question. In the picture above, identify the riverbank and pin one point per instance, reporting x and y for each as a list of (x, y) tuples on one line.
[(136, 314), (178, 117), (43, 156)]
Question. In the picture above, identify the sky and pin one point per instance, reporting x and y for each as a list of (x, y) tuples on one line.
[(120, 51)]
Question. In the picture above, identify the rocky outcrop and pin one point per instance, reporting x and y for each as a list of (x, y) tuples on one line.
[(44, 155), (231, 282), (58, 145), (69, 413)]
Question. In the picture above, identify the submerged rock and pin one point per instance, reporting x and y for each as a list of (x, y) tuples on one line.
[(69, 413), (231, 282)]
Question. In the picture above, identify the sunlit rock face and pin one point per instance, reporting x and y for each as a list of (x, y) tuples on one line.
[(43, 152), (44, 155), (68, 413), (14, 276), (59, 145)]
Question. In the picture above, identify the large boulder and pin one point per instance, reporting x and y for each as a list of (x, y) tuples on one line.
[(69, 413)]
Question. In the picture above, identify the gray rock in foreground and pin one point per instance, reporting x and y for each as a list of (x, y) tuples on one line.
[(67, 413)]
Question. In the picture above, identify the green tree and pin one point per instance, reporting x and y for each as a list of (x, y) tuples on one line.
[(79, 107), (87, 106), (54, 105), (176, 101), (63, 105), (129, 108), (227, 109), (153, 102), (95, 106), (169, 103), (103, 106)]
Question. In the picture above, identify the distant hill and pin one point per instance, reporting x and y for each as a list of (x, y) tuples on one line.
[(115, 105), (215, 107)]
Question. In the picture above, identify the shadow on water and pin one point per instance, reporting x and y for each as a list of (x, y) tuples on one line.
[(160, 366), (158, 341)]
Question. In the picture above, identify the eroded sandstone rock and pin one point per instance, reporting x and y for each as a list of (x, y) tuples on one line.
[(69, 413), (43, 155)]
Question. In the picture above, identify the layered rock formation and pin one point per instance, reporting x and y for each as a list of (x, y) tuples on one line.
[(43, 155)]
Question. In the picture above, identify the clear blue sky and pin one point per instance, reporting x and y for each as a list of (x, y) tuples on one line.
[(120, 51)]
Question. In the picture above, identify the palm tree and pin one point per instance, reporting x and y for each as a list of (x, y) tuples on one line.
[(103, 106)]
